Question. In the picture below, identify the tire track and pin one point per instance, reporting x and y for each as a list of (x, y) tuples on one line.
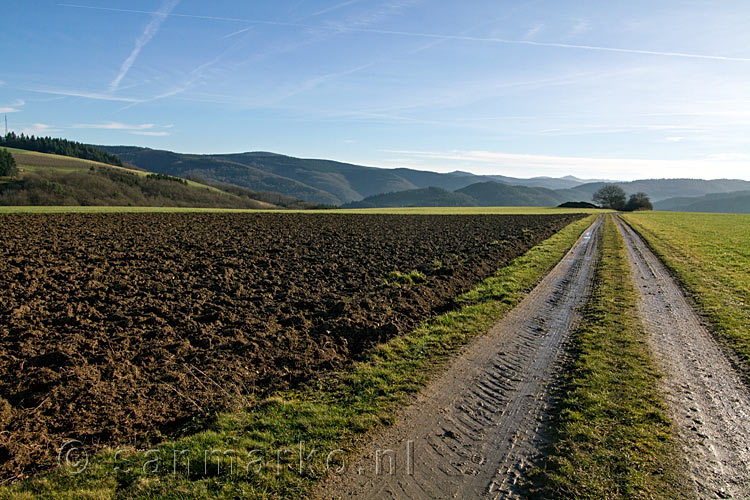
[(708, 401), (473, 431)]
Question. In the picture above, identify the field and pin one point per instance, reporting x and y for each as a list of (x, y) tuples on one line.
[(709, 253), (162, 318), (371, 211)]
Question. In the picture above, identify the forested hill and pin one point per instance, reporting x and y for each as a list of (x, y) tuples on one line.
[(62, 147), (46, 179), (337, 183), (314, 180)]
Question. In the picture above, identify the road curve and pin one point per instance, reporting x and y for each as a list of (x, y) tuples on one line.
[(474, 429), (708, 401)]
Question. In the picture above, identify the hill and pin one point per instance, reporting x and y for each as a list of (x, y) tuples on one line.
[(662, 189), (337, 183), (47, 179), (319, 181), (62, 147), (737, 202), (485, 194), (505, 195), (426, 197)]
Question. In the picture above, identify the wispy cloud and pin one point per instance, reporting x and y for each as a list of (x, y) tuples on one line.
[(99, 96), (537, 28), (560, 45), (743, 157), (332, 8), (489, 162), (674, 139), (581, 26), (140, 129), (150, 133), (235, 33), (151, 29), (114, 126), (39, 129), (14, 107), (357, 27)]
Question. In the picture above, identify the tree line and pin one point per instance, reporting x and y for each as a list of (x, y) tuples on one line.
[(57, 146)]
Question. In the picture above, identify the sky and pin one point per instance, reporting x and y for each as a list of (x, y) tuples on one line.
[(614, 90)]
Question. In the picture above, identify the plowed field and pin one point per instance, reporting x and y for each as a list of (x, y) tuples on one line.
[(115, 327)]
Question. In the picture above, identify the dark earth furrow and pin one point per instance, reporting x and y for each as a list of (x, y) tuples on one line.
[(474, 429), (122, 328), (708, 401)]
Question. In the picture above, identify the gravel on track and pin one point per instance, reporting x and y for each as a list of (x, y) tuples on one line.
[(475, 429), (709, 403)]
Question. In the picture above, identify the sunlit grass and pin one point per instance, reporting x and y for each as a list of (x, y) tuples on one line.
[(613, 439), (710, 255)]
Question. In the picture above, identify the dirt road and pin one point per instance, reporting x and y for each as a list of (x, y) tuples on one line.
[(709, 403), (475, 428)]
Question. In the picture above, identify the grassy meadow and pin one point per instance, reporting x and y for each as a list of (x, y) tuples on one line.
[(61, 183), (709, 254)]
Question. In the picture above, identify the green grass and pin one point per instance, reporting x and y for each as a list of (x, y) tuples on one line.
[(33, 161), (397, 278), (710, 255), (396, 211), (613, 438), (335, 412)]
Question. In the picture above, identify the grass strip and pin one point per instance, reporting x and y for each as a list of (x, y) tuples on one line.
[(280, 446), (708, 253), (613, 438)]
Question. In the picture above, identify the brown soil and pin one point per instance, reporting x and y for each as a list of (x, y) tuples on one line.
[(117, 328)]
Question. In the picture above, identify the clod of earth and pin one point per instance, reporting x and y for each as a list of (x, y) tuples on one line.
[(121, 327)]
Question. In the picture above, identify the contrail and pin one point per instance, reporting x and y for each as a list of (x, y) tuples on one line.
[(141, 41), (438, 36)]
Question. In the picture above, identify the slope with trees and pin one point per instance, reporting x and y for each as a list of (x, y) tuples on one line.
[(737, 202), (478, 194), (44, 179), (336, 183), (57, 146)]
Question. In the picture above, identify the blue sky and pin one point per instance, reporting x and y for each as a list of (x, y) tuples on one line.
[(596, 89)]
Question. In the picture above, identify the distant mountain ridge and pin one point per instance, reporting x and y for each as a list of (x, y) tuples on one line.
[(319, 181), (487, 193), (736, 202), (337, 183)]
